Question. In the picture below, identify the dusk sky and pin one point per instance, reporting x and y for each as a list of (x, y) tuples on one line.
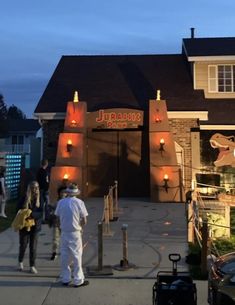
[(35, 34)]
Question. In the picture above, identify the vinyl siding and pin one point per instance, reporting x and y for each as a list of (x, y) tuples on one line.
[(201, 79)]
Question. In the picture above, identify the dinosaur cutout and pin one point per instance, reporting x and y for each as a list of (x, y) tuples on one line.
[(226, 146)]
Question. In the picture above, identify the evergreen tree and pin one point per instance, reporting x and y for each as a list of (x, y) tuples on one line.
[(15, 113), (3, 108)]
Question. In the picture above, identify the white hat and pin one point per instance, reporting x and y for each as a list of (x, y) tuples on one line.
[(73, 190)]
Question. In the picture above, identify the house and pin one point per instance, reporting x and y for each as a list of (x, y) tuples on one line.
[(20, 150), (198, 86)]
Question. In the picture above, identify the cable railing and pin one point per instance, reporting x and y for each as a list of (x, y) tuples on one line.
[(200, 227)]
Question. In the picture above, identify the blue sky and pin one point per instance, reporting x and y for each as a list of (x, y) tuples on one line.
[(35, 34)]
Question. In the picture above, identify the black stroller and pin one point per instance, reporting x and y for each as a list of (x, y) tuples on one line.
[(174, 288)]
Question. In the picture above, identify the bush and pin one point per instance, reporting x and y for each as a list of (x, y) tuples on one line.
[(225, 245)]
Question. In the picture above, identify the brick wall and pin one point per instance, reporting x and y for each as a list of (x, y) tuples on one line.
[(181, 130)]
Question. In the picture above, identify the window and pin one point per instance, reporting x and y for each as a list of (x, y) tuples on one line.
[(17, 140), (221, 78)]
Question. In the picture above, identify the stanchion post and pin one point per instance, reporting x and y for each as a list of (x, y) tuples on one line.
[(124, 264), (106, 231), (116, 196), (100, 269), (110, 203), (125, 245), (106, 215), (100, 245)]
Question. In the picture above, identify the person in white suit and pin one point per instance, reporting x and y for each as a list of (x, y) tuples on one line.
[(73, 216)]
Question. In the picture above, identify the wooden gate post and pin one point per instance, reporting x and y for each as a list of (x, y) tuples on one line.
[(204, 252)]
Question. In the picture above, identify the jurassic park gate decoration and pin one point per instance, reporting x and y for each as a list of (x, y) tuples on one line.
[(100, 147)]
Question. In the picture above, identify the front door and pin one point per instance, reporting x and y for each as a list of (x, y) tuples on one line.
[(117, 155)]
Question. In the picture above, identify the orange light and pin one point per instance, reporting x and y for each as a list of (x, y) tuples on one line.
[(158, 120), (165, 185), (66, 177), (162, 143), (166, 177), (75, 98), (69, 145), (73, 123)]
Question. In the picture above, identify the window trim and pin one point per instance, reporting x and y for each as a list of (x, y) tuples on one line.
[(216, 79)]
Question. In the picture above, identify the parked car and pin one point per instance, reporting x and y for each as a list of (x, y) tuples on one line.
[(221, 280)]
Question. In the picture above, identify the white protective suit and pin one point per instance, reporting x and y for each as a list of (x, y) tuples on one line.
[(71, 210)]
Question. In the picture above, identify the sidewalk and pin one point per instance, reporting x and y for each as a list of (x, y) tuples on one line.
[(154, 231)]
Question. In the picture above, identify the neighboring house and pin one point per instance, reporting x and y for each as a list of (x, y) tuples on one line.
[(20, 151), (198, 86)]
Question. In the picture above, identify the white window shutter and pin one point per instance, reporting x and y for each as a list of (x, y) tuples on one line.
[(212, 78)]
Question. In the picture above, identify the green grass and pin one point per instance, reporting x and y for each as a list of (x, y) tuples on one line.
[(5, 223)]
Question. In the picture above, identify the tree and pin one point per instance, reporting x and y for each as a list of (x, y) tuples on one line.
[(15, 113), (3, 108)]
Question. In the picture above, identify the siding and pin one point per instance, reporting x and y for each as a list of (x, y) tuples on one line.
[(201, 79)]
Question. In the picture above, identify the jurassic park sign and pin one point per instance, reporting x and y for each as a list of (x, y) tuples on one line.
[(115, 119)]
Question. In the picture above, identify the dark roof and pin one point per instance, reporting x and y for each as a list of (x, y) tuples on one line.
[(130, 81), (209, 46), (125, 81), (23, 126), (220, 112)]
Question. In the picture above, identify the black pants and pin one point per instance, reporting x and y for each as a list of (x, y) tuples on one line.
[(31, 238), (44, 200)]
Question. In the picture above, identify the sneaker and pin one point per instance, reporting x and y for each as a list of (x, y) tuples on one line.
[(65, 283), (21, 266), (53, 256), (85, 283), (33, 270), (3, 215)]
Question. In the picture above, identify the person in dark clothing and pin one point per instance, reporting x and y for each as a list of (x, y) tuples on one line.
[(2, 193), (43, 181), (30, 201), (55, 223)]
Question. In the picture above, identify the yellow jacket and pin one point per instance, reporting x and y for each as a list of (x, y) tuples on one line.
[(21, 220)]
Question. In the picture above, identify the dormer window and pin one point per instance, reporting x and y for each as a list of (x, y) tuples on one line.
[(221, 78)]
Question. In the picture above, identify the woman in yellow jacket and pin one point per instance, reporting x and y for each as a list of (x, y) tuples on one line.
[(30, 201)]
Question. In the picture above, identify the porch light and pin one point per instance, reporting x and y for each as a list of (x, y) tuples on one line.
[(65, 178), (162, 143), (158, 120), (69, 146), (165, 185)]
